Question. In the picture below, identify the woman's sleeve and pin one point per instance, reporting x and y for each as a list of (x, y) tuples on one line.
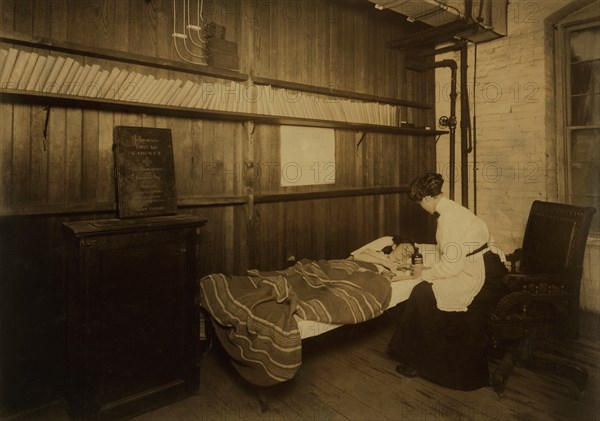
[(431, 254)]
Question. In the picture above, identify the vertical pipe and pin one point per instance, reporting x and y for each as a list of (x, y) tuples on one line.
[(451, 64), (452, 128), (474, 130), (464, 127)]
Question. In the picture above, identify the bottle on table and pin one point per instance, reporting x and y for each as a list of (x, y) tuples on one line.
[(417, 261)]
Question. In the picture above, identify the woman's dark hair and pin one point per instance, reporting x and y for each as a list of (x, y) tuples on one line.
[(429, 184), (397, 240)]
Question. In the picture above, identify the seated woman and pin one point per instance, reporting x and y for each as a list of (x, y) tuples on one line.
[(392, 253), (439, 333)]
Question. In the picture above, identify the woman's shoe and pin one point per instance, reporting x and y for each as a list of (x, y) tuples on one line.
[(406, 370)]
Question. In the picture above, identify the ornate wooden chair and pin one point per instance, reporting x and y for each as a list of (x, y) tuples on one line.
[(542, 299)]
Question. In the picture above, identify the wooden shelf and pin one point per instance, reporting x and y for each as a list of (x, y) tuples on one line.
[(10, 37), (48, 99), (329, 194), (124, 57), (190, 202), (339, 93)]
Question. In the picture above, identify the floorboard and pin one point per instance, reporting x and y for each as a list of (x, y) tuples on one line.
[(347, 375)]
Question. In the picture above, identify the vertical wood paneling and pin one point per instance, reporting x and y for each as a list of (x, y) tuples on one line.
[(6, 164), (181, 132), (105, 191), (23, 20), (262, 23), (38, 158), (279, 228), (130, 120), (73, 156), (78, 16), (56, 157), (364, 39), (149, 28), (315, 42), (208, 166), (135, 25), (197, 156), (74, 120), (228, 182), (89, 155), (294, 18), (218, 157), (122, 24), (23, 14), (7, 15), (309, 42), (230, 177), (164, 27), (320, 42), (106, 23), (86, 15), (20, 157), (276, 68)]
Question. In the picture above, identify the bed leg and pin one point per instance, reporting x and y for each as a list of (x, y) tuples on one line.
[(263, 400)]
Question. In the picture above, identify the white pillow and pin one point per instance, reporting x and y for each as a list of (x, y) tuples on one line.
[(376, 245)]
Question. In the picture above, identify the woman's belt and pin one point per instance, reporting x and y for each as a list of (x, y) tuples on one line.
[(478, 250)]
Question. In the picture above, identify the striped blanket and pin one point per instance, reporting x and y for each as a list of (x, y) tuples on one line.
[(253, 315)]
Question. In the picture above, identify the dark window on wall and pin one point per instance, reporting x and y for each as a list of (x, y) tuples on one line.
[(581, 76)]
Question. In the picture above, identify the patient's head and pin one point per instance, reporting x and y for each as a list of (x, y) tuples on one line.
[(401, 250), (429, 184)]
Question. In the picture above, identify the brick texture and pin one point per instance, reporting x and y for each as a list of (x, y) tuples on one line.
[(514, 96)]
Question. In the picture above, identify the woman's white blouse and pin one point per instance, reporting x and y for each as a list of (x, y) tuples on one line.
[(456, 278)]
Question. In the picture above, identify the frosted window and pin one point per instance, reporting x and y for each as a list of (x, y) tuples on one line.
[(307, 156)]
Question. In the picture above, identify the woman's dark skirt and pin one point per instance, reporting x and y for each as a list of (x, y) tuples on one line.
[(448, 348)]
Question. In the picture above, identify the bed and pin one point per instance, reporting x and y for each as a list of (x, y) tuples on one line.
[(261, 318), (401, 288)]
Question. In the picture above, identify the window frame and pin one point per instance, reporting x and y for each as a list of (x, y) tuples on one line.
[(565, 130)]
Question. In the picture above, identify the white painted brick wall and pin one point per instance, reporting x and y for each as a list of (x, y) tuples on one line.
[(516, 129)]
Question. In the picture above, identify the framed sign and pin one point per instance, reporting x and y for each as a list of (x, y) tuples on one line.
[(145, 171)]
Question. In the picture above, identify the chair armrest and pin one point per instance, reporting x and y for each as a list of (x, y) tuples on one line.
[(513, 258), (533, 282)]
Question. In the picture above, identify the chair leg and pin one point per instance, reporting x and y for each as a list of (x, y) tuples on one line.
[(502, 373)]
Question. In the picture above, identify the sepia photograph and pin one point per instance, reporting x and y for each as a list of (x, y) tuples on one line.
[(311, 210)]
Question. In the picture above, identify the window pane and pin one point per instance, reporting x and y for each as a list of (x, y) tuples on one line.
[(585, 77), (585, 44), (585, 169), (584, 90), (585, 110)]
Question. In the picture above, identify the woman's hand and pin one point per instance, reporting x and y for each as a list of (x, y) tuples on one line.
[(416, 270)]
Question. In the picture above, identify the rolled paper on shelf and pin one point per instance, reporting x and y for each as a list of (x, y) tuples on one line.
[(7, 68), (62, 75), (18, 70), (53, 75)]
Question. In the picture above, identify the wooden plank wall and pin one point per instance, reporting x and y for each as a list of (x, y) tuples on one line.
[(68, 176)]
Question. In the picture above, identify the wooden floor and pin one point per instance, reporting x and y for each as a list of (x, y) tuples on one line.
[(347, 375)]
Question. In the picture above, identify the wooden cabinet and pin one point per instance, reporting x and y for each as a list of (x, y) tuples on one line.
[(132, 321)]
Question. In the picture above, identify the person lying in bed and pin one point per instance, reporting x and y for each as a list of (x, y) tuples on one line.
[(393, 253)]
